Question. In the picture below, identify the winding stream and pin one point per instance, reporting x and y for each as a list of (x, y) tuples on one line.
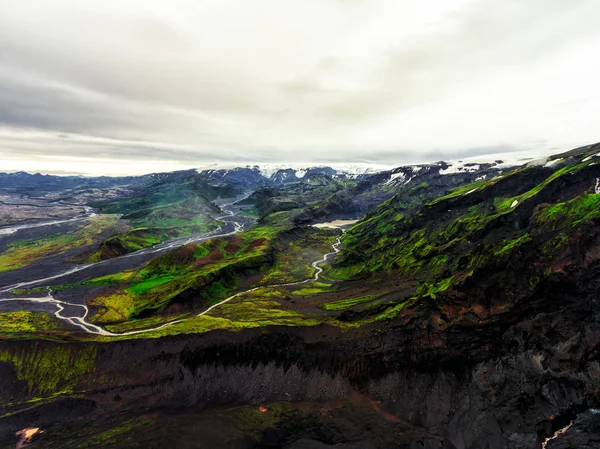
[(229, 216), (88, 213)]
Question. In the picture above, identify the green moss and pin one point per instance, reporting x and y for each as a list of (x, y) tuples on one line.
[(506, 205), (147, 285), (431, 291), (510, 245), (343, 273), (551, 248), (393, 311), (114, 307), (583, 207), (155, 222), (348, 303), (53, 368), (24, 321)]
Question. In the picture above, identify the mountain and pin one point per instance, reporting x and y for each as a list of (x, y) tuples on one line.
[(459, 312)]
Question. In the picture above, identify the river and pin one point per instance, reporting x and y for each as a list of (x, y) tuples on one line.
[(76, 314)]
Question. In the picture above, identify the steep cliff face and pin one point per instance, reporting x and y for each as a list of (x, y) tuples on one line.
[(483, 383)]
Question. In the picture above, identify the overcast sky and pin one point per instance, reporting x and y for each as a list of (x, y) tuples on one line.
[(136, 86)]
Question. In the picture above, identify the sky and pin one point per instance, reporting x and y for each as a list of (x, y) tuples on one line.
[(138, 86)]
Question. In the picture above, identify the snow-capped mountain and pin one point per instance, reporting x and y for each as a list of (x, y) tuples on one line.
[(276, 174)]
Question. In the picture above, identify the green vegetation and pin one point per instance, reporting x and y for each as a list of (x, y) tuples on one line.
[(210, 272), (295, 251), (344, 304), (583, 207), (431, 252), (24, 321), (155, 224), (53, 368), (507, 204), (453, 236), (510, 245), (21, 253)]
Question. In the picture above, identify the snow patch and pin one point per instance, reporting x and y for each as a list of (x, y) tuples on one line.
[(479, 178), (300, 168), (589, 158), (400, 175), (470, 191), (597, 186), (514, 203), (453, 168)]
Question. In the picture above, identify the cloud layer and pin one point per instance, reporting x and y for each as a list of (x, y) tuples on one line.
[(137, 86)]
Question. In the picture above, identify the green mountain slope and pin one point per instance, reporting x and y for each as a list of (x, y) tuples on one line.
[(534, 213), (153, 224)]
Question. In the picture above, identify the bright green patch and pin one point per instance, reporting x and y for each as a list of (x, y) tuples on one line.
[(510, 245), (144, 287)]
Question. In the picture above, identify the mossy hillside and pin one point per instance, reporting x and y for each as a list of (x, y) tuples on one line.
[(569, 213), (338, 202), (165, 192), (440, 246), (295, 202), (206, 272), (572, 160), (413, 245), (233, 317), (21, 253), (345, 304), (178, 214), (211, 271), (153, 225), (51, 368), (27, 322), (295, 251)]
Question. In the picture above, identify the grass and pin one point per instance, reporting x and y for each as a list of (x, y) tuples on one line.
[(212, 271), (209, 271), (156, 219)]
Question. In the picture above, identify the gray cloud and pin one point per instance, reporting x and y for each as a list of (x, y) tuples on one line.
[(190, 83)]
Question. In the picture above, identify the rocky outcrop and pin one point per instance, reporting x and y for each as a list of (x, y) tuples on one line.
[(504, 380)]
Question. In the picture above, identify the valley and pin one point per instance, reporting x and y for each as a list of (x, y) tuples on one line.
[(428, 306)]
